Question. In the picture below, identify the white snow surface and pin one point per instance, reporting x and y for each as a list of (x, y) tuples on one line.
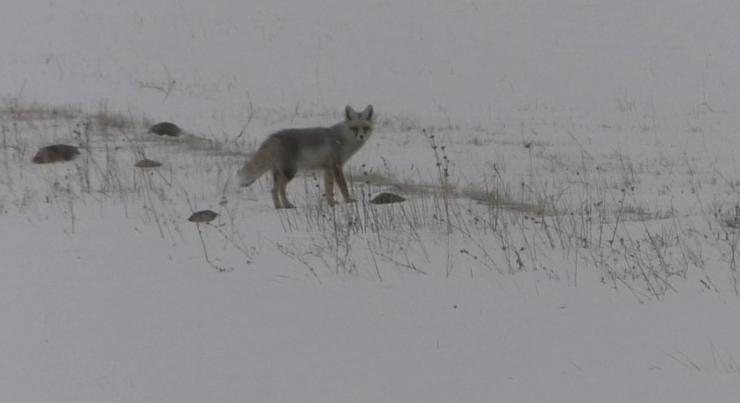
[(606, 271)]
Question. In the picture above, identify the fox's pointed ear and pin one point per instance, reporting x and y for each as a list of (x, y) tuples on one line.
[(368, 112), (349, 113)]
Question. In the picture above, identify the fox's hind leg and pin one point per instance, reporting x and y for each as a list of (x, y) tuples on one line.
[(342, 182), (329, 184)]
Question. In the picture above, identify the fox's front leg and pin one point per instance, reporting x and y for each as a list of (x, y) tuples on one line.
[(279, 197), (329, 185), (339, 176)]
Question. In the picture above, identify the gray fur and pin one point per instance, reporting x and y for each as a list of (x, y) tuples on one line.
[(288, 151)]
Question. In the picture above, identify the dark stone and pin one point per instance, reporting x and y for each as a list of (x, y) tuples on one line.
[(55, 153), (387, 198), (165, 129)]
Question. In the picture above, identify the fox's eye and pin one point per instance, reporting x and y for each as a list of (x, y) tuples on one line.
[(356, 131)]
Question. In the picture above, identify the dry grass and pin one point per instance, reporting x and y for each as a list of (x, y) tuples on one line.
[(112, 121), (501, 224), (30, 112)]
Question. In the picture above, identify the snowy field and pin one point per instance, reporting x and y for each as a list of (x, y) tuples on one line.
[(569, 234)]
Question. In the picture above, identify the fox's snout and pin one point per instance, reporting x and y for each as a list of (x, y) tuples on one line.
[(361, 133)]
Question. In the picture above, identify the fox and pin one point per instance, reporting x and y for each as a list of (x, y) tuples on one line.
[(288, 151)]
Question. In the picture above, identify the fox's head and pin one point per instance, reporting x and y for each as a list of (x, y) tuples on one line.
[(360, 124)]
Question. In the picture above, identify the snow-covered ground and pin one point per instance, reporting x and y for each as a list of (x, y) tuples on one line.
[(569, 169)]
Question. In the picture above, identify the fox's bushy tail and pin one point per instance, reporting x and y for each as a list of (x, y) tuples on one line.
[(261, 162)]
